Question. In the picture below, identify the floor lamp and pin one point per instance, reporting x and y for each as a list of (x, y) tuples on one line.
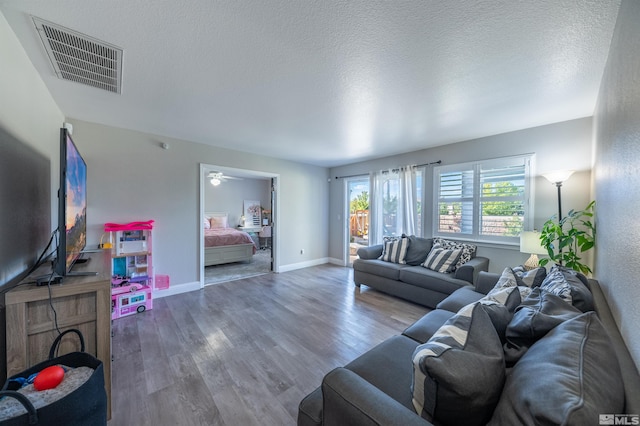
[(557, 178)]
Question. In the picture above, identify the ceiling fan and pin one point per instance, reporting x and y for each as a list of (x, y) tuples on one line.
[(218, 177)]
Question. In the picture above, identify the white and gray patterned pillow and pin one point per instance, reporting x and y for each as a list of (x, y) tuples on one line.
[(468, 250), (448, 387), (565, 284), (395, 250), (441, 259), (531, 278), (507, 279), (555, 283)]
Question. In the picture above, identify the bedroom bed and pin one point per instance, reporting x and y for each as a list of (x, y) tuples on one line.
[(223, 244)]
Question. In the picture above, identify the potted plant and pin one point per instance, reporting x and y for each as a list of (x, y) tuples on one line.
[(567, 239)]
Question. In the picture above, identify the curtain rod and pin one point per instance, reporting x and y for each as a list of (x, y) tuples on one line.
[(419, 165)]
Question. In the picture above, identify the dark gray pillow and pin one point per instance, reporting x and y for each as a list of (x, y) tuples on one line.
[(418, 250), (459, 373), (569, 287), (568, 377), (539, 313)]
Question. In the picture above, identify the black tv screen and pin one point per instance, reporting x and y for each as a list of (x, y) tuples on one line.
[(72, 205)]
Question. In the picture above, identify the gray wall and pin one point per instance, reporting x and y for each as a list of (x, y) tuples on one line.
[(130, 177), (229, 196), (617, 176), (27, 109), (566, 145)]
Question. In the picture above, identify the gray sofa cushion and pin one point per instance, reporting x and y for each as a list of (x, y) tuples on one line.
[(419, 248), (426, 278), (459, 373), (539, 313), (379, 267), (569, 377), (425, 327), (459, 298), (388, 367)]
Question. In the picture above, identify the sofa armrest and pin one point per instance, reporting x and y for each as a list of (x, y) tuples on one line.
[(486, 281), (371, 252), (349, 400), (469, 271)]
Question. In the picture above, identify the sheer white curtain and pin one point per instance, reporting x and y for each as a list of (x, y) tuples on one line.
[(393, 207)]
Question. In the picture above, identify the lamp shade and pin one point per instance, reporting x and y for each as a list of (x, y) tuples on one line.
[(558, 175), (530, 243)]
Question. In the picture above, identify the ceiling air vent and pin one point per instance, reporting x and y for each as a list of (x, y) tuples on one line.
[(80, 58)]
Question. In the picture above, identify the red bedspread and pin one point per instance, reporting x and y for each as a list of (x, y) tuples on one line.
[(226, 237)]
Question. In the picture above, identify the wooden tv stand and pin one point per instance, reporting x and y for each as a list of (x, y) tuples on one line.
[(82, 302)]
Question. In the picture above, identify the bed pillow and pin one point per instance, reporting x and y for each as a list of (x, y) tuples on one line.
[(441, 259), (207, 223), (459, 373), (395, 250), (219, 222)]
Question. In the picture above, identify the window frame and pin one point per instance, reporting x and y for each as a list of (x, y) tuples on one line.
[(475, 167)]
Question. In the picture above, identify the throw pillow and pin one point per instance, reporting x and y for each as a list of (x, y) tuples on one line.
[(441, 259), (507, 279), (459, 373), (539, 313), (569, 288), (532, 278), (395, 250), (207, 224), (418, 250), (468, 250), (501, 304), (568, 377), (219, 222)]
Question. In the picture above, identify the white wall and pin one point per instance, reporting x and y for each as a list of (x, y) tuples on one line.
[(565, 145), (229, 196), (617, 176), (130, 177), (27, 109)]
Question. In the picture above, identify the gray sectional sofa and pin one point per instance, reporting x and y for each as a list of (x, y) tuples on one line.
[(411, 281), (579, 370)]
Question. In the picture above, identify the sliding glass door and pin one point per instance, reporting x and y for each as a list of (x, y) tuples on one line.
[(357, 215)]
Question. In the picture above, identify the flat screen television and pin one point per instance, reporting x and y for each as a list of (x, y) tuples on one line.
[(72, 205)]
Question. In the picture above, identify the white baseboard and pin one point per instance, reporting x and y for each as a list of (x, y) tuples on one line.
[(335, 261), (294, 266), (177, 289)]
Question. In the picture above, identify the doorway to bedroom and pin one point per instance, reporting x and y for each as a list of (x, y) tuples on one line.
[(238, 211)]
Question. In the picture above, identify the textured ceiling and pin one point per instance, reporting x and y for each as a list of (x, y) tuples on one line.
[(332, 82)]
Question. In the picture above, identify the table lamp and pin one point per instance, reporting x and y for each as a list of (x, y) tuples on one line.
[(530, 243)]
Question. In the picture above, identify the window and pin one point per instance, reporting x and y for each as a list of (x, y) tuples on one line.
[(396, 208), (484, 201)]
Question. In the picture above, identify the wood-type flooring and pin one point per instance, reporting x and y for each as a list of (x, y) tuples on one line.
[(246, 352)]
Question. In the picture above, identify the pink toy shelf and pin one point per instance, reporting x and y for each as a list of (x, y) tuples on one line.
[(132, 277)]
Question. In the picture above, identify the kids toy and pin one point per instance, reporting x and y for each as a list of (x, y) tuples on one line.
[(48, 378)]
